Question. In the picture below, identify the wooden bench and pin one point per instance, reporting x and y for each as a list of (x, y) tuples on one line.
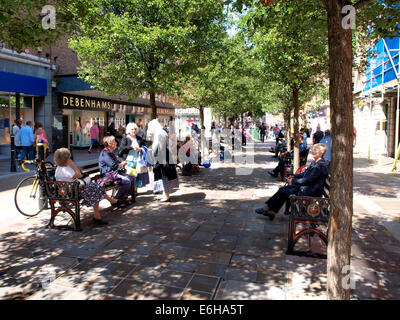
[(309, 216), (64, 197)]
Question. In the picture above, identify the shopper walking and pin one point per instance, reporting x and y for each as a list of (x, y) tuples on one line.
[(17, 142), (262, 131), (94, 137), (40, 136), (25, 135)]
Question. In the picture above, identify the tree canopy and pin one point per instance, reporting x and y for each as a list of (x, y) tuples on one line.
[(132, 46), (21, 21)]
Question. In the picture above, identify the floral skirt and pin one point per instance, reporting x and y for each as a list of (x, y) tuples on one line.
[(92, 194)]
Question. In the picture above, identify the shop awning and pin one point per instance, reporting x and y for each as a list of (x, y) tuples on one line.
[(18, 83)]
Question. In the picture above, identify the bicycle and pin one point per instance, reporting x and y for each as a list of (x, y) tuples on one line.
[(29, 198)]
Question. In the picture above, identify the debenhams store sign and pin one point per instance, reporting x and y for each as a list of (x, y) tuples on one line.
[(85, 103)]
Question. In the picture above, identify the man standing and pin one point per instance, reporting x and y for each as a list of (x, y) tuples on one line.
[(318, 135), (17, 142), (276, 131), (25, 135), (262, 131), (327, 141)]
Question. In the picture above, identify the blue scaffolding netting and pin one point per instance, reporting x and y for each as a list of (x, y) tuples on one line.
[(383, 66)]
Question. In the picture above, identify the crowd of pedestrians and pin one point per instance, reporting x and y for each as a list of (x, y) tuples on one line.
[(26, 139)]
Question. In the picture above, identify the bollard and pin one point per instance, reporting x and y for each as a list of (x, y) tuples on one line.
[(12, 146), (70, 143), (40, 157)]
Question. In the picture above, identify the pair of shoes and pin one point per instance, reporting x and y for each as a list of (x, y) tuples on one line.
[(120, 204), (89, 151), (126, 202), (272, 174), (165, 200), (99, 222), (266, 213)]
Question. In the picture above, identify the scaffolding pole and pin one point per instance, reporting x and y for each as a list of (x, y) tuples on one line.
[(397, 120)]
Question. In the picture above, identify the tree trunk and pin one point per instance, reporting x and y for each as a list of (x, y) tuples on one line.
[(296, 154), (201, 109), (153, 105), (341, 192), (286, 117), (202, 133)]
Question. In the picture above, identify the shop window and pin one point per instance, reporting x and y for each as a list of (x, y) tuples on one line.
[(8, 114)]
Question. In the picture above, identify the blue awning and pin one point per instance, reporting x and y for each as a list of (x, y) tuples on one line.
[(18, 83)]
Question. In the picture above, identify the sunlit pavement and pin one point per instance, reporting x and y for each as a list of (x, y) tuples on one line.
[(206, 244)]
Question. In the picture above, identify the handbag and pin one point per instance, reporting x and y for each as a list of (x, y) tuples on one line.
[(109, 179)]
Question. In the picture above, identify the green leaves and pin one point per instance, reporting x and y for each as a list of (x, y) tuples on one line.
[(21, 22), (143, 44), (291, 41)]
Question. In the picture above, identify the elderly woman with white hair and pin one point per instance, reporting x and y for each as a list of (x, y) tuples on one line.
[(131, 149), (164, 166), (131, 141)]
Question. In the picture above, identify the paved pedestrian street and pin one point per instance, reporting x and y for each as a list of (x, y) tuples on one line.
[(207, 244)]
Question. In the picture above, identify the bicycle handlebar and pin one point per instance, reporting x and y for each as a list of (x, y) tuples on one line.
[(27, 162), (34, 162)]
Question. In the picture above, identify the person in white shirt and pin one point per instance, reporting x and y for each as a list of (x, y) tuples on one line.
[(91, 192)]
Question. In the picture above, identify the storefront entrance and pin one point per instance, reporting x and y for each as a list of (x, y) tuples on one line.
[(8, 104), (80, 122)]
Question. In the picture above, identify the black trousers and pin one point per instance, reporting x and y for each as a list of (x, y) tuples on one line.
[(280, 167), (276, 202)]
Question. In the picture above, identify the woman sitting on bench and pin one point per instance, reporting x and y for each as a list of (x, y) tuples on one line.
[(91, 193), (108, 163), (280, 167), (309, 183)]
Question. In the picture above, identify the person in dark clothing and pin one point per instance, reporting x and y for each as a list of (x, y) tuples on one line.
[(108, 162), (278, 137), (111, 129), (281, 165), (309, 183), (262, 130), (318, 135)]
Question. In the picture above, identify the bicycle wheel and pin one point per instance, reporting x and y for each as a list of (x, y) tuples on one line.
[(27, 196)]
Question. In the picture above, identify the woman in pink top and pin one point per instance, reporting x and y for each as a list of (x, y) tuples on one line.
[(94, 136)]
